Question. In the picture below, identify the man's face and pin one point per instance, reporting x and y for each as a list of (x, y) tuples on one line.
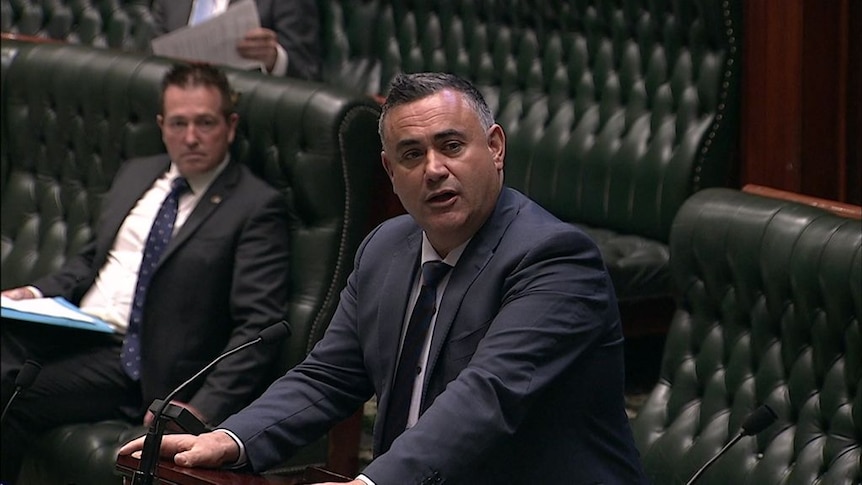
[(194, 129), (444, 166)]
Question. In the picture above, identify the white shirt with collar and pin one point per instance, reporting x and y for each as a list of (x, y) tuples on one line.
[(110, 297)]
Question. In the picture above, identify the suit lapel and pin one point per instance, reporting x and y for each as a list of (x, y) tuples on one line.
[(135, 184), (220, 190), (477, 255)]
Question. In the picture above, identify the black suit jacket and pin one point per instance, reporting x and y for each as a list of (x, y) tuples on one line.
[(525, 380), (296, 22), (222, 279)]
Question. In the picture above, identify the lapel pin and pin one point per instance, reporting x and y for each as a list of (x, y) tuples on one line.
[(215, 199)]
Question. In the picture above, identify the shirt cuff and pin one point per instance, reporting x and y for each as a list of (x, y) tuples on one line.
[(365, 479), (280, 66), (243, 459), (36, 292)]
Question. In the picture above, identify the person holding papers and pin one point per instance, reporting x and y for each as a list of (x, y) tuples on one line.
[(188, 259), (286, 44)]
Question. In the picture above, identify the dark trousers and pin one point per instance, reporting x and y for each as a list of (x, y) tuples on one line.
[(80, 381)]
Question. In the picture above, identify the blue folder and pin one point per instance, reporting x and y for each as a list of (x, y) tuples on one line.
[(94, 324)]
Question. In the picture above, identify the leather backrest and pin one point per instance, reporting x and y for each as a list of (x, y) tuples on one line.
[(71, 114), (615, 111), (119, 24), (769, 310)]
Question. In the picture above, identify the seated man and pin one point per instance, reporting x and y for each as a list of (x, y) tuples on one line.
[(487, 328), (287, 43), (189, 258)]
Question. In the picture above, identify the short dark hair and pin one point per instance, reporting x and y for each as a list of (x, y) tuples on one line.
[(406, 88), (187, 75)]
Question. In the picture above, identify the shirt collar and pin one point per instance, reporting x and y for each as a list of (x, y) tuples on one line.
[(429, 254), (199, 183)]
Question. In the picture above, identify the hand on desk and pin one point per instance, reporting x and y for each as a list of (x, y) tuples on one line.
[(209, 450)]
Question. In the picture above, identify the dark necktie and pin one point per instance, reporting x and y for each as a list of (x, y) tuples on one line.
[(417, 330), (157, 240)]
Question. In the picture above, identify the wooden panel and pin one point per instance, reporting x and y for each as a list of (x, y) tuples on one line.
[(801, 109), (771, 102)]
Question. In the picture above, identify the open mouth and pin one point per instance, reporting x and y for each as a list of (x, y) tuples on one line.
[(441, 197)]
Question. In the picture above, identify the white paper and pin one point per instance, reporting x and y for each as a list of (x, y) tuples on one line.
[(215, 40), (46, 306)]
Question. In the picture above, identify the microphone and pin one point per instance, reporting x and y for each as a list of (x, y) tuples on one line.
[(760, 419), (25, 378), (145, 473)]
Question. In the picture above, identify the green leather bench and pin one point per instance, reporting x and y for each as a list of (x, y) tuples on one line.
[(71, 114), (118, 24), (769, 296), (616, 111)]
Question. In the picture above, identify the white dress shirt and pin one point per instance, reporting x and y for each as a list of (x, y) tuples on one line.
[(110, 297)]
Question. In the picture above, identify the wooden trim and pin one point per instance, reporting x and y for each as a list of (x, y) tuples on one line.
[(29, 38), (840, 208)]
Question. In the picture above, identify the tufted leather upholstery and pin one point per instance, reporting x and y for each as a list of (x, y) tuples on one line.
[(770, 303), (71, 114), (120, 24), (616, 110)]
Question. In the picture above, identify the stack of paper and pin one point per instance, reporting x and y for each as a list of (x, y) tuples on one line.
[(51, 311)]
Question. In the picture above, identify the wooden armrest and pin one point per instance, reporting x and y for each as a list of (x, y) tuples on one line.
[(840, 208)]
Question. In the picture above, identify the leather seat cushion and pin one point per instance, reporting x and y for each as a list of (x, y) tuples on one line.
[(639, 267)]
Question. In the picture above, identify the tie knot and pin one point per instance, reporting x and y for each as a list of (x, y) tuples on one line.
[(179, 186), (433, 272)]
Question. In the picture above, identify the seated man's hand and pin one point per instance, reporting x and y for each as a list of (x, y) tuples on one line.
[(259, 44), (20, 293), (209, 450)]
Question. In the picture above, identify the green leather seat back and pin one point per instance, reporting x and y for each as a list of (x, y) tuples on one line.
[(770, 304), (615, 111), (119, 24), (71, 114)]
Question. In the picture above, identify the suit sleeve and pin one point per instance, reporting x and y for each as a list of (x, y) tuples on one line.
[(297, 25), (329, 385)]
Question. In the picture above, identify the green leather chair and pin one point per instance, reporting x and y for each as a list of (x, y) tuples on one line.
[(769, 299), (616, 111), (118, 24), (71, 114)]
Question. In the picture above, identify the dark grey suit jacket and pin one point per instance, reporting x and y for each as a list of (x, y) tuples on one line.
[(525, 377), (222, 279), (296, 22)]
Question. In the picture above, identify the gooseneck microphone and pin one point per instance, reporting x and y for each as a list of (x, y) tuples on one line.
[(25, 378), (760, 419), (145, 473)]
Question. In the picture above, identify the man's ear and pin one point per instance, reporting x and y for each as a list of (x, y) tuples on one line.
[(497, 144), (386, 164)]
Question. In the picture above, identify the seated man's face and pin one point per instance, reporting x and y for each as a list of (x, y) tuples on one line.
[(195, 130)]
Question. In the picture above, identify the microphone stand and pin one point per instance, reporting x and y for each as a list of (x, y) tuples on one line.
[(145, 474)]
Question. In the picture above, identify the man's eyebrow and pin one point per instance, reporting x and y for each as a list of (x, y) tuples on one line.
[(448, 134), (443, 135)]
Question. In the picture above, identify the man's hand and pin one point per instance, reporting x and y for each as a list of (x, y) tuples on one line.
[(20, 293), (259, 44), (209, 450)]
